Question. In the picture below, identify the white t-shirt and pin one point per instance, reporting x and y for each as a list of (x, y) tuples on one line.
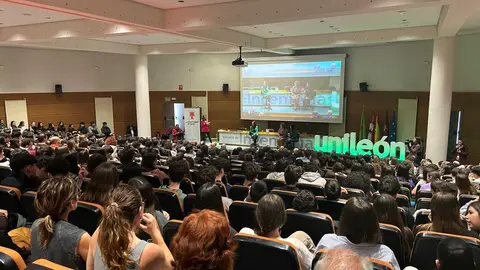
[(304, 255), (375, 251)]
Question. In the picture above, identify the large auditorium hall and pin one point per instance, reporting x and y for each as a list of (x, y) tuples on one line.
[(239, 134)]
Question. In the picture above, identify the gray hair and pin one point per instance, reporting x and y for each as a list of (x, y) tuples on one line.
[(339, 259)]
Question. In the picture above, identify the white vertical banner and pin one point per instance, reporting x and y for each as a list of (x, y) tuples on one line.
[(192, 124)]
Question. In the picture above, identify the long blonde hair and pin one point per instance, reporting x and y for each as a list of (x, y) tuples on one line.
[(52, 201), (116, 226)]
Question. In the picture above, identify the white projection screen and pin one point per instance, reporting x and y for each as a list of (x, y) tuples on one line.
[(295, 89)]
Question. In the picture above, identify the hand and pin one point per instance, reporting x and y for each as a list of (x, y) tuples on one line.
[(344, 190), (3, 212), (149, 224)]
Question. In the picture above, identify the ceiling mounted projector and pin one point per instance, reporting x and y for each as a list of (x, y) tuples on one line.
[(239, 61)]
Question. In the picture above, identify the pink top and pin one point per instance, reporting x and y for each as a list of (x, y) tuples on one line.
[(204, 126)]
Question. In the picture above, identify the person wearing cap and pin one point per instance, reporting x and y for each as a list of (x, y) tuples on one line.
[(23, 175)]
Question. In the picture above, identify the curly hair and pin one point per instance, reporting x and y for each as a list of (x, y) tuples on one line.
[(203, 242), (304, 202)]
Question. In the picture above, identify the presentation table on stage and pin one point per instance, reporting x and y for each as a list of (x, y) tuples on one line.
[(241, 138)]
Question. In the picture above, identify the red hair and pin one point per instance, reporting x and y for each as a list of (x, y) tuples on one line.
[(203, 242)]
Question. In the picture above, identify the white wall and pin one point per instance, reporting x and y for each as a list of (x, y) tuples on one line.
[(38, 70), (402, 66)]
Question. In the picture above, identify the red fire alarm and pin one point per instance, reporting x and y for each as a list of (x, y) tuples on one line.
[(180, 87)]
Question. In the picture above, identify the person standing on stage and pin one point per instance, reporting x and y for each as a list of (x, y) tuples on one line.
[(282, 134), (460, 152), (292, 137), (177, 133), (205, 129), (254, 132)]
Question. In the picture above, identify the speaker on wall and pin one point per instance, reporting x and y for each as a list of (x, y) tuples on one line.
[(363, 87), (58, 88), (225, 88)]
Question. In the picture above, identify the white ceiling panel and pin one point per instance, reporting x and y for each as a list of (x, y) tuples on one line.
[(150, 39), (352, 23), (15, 14), (169, 4), (472, 24)]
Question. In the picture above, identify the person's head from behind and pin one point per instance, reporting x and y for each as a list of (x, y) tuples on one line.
[(332, 190), (292, 174), (368, 169), (338, 167), (24, 162), (304, 202), (359, 222), (281, 165), (207, 175), (445, 213), (56, 198), (146, 190), (433, 175), (123, 214), (95, 160), (148, 160), (387, 210), (463, 183), (257, 190), (251, 170), (403, 171), (177, 171), (104, 179), (203, 242), (387, 170), (341, 259), (389, 185), (359, 180), (453, 254), (127, 155), (209, 197), (270, 214), (58, 166)]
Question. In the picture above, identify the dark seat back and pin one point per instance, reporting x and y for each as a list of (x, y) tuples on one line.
[(186, 186), (27, 200), (423, 194), (43, 264), (189, 203), (239, 193), (405, 191), (465, 198), (10, 199), (263, 174), (170, 202), (424, 251), (423, 203), (375, 183), (87, 216), (352, 192), (315, 189), (287, 197), (331, 208), (314, 224), (402, 201), (422, 217), (11, 260), (237, 179), (170, 230), (394, 239), (260, 253), (242, 214), (271, 184), (223, 189), (153, 180)]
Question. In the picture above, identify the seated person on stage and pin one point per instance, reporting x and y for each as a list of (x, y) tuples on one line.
[(279, 172), (292, 174), (177, 133), (360, 232), (253, 132), (271, 216)]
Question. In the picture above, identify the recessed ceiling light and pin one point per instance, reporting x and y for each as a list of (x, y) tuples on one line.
[(181, 1), (322, 21), (402, 12), (27, 14), (255, 27), (404, 20), (1, 9), (269, 31), (1, 23)]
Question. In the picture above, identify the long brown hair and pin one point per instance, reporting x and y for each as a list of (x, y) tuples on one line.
[(53, 200), (359, 222), (104, 179), (446, 214), (114, 233), (203, 242)]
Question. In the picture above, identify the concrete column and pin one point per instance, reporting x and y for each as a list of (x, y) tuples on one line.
[(142, 96), (440, 104)]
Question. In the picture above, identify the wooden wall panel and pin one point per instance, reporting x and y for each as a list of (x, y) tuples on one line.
[(72, 108)]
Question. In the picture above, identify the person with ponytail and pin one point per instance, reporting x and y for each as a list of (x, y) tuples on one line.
[(53, 237), (271, 217), (203, 242), (115, 246)]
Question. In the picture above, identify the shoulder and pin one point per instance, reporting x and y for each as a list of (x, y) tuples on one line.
[(329, 240), (152, 257)]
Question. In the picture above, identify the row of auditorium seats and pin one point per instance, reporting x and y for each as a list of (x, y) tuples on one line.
[(11, 260)]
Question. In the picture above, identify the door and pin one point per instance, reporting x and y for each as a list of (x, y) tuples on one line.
[(453, 132), (168, 114), (178, 114), (104, 112)]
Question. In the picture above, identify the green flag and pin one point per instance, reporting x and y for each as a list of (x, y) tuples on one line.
[(363, 128)]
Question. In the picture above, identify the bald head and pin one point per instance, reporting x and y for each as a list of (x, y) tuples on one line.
[(339, 259)]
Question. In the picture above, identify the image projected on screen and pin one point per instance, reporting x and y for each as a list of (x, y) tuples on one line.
[(297, 91)]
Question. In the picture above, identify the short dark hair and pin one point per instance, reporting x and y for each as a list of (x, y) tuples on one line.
[(359, 180), (292, 174), (127, 155), (251, 170), (281, 165), (338, 167), (387, 170), (222, 163), (403, 170), (304, 202), (177, 171), (332, 190), (455, 253), (207, 175), (270, 214), (148, 160), (389, 185), (359, 222), (257, 190), (95, 160), (58, 166), (369, 169), (356, 167), (22, 160), (476, 170)]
